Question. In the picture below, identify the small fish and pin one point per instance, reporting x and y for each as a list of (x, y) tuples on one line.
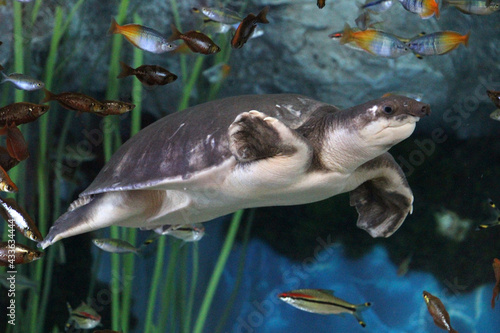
[(424, 8), (416, 96), (185, 232), (21, 113), (196, 41), (115, 245), (149, 75), (217, 73), (21, 281), (404, 266), (375, 42), (75, 101), (323, 302), (247, 27), (495, 115), (474, 7), (22, 254), (6, 184), (16, 144), (321, 3), (7, 162), (11, 211), (116, 107), (225, 16), (438, 312), (142, 37), (23, 82), (497, 217), (494, 96), (377, 6), (496, 288), (83, 317), (437, 43)]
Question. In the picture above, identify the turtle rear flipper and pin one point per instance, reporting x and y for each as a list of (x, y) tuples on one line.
[(384, 200)]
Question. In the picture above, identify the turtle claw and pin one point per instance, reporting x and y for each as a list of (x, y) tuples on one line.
[(253, 137)]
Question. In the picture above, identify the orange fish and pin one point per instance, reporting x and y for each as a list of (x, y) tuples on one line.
[(375, 42), (142, 37), (196, 41), (16, 144), (438, 312), (437, 43), (496, 289), (75, 101), (424, 8), (247, 27), (6, 184)]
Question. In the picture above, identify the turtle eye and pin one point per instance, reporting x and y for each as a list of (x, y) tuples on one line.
[(388, 110)]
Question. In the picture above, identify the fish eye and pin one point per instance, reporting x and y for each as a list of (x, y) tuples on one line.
[(388, 110), (9, 188)]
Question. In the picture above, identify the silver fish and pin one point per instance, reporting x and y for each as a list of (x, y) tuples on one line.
[(114, 245), (495, 114), (377, 6), (11, 211), (185, 232), (475, 7), (323, 302), (84, 317), (23, 82)]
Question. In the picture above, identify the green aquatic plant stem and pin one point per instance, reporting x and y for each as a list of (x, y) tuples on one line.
[(193, 78), (155, 282), (241, 267), (167, 306), (192, 288), (19, 42), (177, 22), (131, 233), (219, 268), (110, 127), (113, 83)]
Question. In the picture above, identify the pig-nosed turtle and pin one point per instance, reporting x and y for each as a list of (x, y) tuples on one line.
[(215, 158)]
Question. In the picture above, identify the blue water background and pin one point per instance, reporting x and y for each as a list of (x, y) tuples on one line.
[(398, 305)]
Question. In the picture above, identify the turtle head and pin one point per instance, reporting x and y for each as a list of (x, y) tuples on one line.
[(387, 121)]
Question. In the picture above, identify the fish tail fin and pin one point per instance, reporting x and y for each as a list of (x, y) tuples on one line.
[(453, 330), (347, 34), (126, 70), (466, 39), (5, 78), (1, 68), (49, 96), (431, 8), (114, 27), (261, 17), (148, 241), (357, 313), (176, 34)]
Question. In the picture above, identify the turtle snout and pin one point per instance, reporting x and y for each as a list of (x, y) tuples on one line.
[(422, 111)]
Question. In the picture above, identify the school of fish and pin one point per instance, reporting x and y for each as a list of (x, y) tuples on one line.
[(363, 37)]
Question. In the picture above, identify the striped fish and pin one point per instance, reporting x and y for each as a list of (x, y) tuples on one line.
[(424, 8), (437, 43), (323, 302)]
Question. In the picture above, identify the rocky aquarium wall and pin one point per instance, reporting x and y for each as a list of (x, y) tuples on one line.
[(229, 280)]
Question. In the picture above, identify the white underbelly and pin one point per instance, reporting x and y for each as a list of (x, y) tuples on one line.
[(192, 205)]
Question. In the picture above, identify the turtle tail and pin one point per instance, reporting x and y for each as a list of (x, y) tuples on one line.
[(74, 222)]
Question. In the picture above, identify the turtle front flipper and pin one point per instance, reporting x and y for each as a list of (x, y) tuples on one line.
[(383, 199), (253, 136)]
